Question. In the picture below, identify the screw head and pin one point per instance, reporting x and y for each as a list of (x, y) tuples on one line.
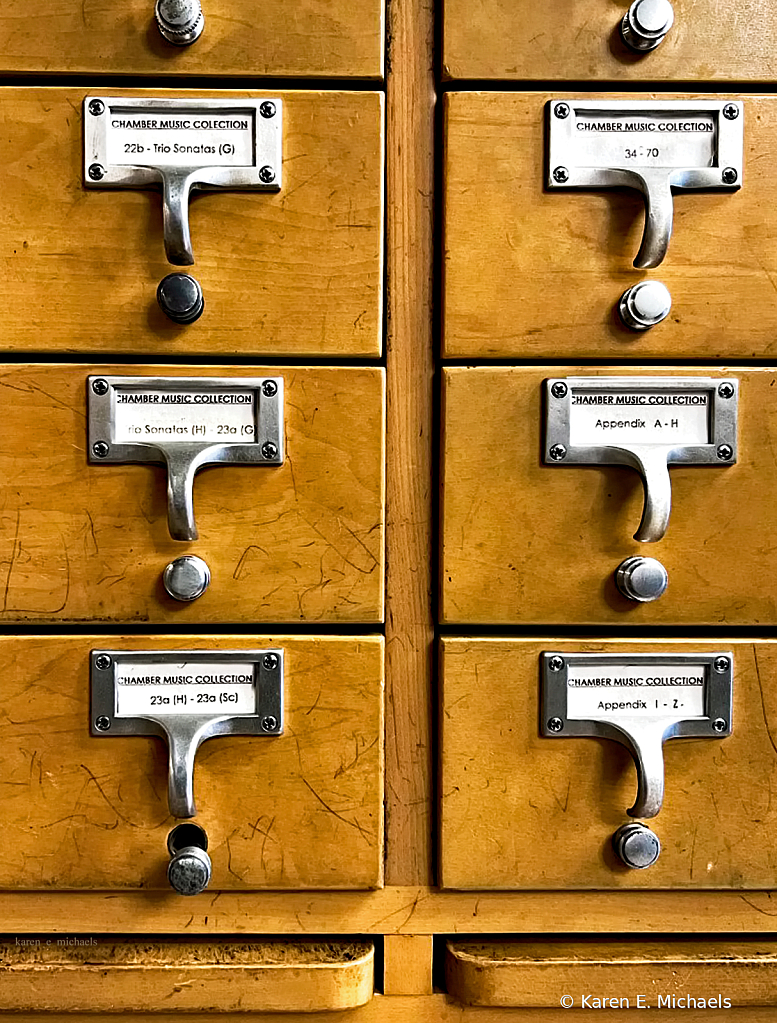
[(724, 452), (556, 663), (731, 111), (270, 662), (267, 109), (555, 725), (100, 449), (559, 389), (719, 725), (266, 174), (96, 172), (102, 723), (726, 390), (561, 110), (557, 452), (269, 450), (720, 664), (100, 386), (102, 661), (561, 174), (96, 107), (269, 388), (729, 176), (269, 724)]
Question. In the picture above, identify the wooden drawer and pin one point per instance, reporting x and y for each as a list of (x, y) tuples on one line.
[(298, 271), (525, 542), (531, 272), (302, 541), (321, 38), (524, 811), (295, 811)]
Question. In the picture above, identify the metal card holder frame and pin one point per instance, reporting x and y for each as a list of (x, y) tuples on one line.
[(183, 459), (656, 184), (651, 460), (264, 173), (642, 736), (186, 732)]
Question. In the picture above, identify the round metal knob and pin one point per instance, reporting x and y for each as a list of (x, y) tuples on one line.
[(189, 870), (186, 578), (179, 21), (180, 297), (646, 24), (644, 305), (636, 845), (641, 579)]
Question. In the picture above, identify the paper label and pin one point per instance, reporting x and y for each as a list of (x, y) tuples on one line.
[(201, 687), (612, 691), (599, 418), (170, 138), (633, 139), (211, 415)]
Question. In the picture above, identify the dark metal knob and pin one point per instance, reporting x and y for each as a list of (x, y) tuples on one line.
[(180, 298), (186, 578), (179, 21), (641, 579), (636, 845), (646, 24), (189, 869)]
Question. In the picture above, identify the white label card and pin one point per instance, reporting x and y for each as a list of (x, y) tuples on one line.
[(149, 138), (634, 139), (609, 418), (212, 415), (612, 691), (200, 687)]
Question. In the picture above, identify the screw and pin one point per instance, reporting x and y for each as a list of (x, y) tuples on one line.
[(270, 661), (269, 388), (102, 723), (102, 661), (731, 111), (100, 386), (719, 725), (96, 107), (561, 110), (267, 109), (269, 724), (729, 176), (100, 449), (556, 663), (269, 450), (96, 172), (726, 390), (557, 452), (267, 174), (721, 664), (561, 174), (558, 390), (555, 724), (724, 452)]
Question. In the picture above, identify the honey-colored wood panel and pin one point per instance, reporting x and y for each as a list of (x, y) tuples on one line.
[(524, 542), (227, 976), (302, 810), (317, 38), (407, 964), (289, 273), (710, 975), (300, 542), (522, 811), (711, 40), (537, 274)]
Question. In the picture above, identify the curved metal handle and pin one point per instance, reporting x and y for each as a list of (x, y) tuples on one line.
[(181, 471), (182, 744), (657, 487), (176, 189), (659, 216), (649, 761)]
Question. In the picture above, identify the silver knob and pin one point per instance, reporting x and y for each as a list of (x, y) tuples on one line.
[(641, 579), (179, 21), (644, 305), (636, 845), (646, 24), (186, 578), (189, 868)]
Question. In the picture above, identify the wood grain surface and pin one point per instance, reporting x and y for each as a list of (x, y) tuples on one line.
[(303, 810), (537, 274), (314, 38), (289, 273), (407, 964), (529, 543), (711, 40), (302, 542), (519, 810)]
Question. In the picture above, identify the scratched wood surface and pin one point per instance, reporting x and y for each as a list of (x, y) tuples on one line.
[(537, 274), (303, 810), (522, 811), (299, 543), (524, 542), (289, 273), (535, 974), (314, 38), (711, 41)]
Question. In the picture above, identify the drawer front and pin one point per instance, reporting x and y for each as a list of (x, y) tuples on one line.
[(303, 541), (571, 39), (295, 811), (297, 271), (524, 811), (525, 540), (322, 38), (531, 270)]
